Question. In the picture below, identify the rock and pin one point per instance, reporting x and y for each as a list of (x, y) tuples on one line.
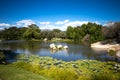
[(99, 45), (108, 46), (86, 37), (118, 53), (45, 39), (111, 49)]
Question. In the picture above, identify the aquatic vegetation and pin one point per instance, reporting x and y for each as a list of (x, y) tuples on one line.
[(72, 70)]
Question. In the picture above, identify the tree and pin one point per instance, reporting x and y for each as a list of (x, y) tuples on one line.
[(56, 30), (113, 31), (78, 33), (33, 32), (12, 33), (56, 33), (94, 30), (70, 32), (46, 34)]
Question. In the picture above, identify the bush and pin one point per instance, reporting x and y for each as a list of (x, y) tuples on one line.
[(112, 52)]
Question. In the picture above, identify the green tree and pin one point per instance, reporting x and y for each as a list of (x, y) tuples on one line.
[(12, 33), (56, 30), (56, 33), (94, 30), (33, 32), (78, 34), (63, 35), (46, 34), (70, 32)]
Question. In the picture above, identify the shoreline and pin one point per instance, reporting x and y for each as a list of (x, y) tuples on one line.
[(107, 46), (104, 46)]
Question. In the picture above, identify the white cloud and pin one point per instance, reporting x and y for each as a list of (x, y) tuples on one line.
[(76, 23), (109, 24), (53, 26), (96, 22), (4, 25), (47, 27), (45, 23), (62, 25), (25, 23), (62, 22)]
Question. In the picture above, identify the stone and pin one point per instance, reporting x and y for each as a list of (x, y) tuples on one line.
[(118, 53)]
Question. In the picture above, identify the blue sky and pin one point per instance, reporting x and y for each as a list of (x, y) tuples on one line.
[(57, 13)]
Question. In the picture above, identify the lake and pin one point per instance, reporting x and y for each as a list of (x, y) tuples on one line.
[(75, 51)]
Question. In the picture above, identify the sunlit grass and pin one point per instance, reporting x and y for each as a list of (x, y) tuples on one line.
[(61, 40), (72, 70), (10, 72)]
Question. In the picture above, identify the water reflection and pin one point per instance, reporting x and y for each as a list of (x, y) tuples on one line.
[(58, 50), (7, 56), (75, 51)]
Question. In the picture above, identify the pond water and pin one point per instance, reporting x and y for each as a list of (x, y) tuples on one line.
[(75, 51)]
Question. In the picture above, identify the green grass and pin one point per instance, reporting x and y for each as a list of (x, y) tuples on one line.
[(60, 40), (10, 72), (72, 70)]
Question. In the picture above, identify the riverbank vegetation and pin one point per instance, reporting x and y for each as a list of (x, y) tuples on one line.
[(61, 70), (10, 72), (90, 32)]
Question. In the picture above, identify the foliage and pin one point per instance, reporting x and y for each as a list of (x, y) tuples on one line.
[(12, 33), (70, 32), (72, 70), (33, 32), (46, 34), (77, 33), (113, 32), (93, 29), (112, 52), (59, 34)]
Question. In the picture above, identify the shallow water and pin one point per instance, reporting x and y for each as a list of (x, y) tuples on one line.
[(75, 51)]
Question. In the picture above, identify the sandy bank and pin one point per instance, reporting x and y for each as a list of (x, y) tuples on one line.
[(108, 46), (105, 46)]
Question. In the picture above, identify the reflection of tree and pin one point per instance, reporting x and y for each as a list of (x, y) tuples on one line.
[(32, 46), (87, 53)]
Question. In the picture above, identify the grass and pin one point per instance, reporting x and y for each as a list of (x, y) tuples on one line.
[(60, 40), (72, 70), (10, 72)]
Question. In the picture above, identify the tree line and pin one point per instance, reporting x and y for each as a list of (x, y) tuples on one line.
[(90, 32)]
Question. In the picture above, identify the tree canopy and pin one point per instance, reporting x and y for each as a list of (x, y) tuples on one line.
[(33, 32), (95, 32)]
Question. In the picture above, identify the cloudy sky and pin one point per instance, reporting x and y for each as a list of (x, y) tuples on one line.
[(49, 14)]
